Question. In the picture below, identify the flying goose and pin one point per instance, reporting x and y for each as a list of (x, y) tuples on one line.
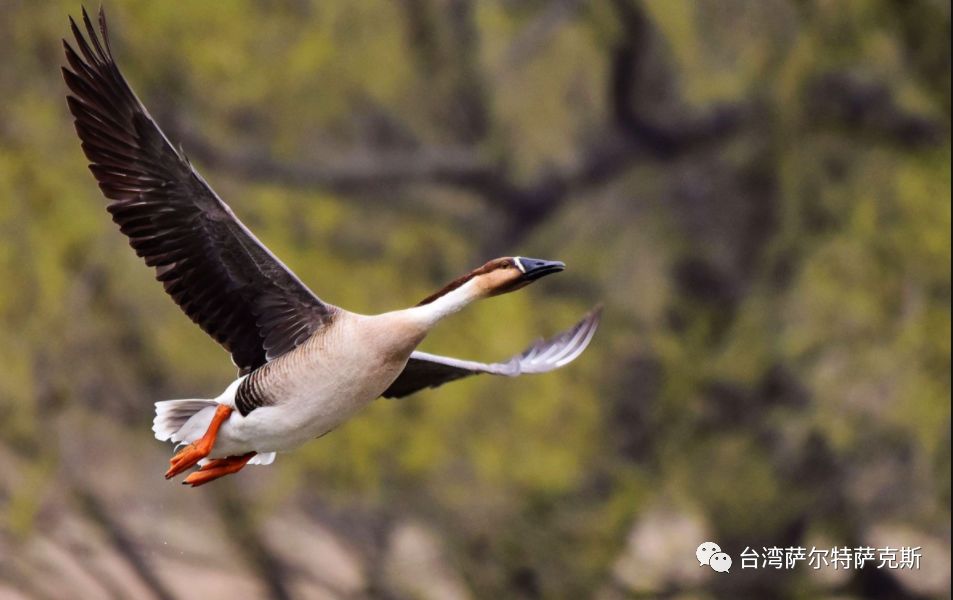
[(305, 366)]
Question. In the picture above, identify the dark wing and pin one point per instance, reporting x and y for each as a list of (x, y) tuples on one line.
[(429, 370), (224, 279)]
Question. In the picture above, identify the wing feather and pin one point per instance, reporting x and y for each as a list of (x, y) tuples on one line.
[(425, 370), (211, 265)]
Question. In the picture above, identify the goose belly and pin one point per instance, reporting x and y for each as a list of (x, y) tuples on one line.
[(312, 403), (317, 386)]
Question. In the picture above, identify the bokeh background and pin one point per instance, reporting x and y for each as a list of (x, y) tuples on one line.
[(758, 191)]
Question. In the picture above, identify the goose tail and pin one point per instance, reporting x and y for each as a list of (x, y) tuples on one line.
[(172, 415), (184, 421)]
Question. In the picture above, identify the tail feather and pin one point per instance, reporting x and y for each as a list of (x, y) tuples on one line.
[(172, 424), (171, 415), (262, 458)]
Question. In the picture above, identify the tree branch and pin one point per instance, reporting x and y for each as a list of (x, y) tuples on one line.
[(241, 529), (123, 543), (630, 136), (356, 172), (538, 31)]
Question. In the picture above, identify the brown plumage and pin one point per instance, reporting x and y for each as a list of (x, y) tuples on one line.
[(496, 263), (214, 268)]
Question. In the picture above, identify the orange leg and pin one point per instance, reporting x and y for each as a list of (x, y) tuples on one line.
[(219, 467), (199, 449)]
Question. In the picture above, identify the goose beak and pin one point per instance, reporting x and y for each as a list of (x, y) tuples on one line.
[(534, 268)]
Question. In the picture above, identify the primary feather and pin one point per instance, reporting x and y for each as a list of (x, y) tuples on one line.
[(214, 268)]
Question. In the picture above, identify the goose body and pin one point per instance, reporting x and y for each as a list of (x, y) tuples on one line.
[(305, 366), (312, 389)]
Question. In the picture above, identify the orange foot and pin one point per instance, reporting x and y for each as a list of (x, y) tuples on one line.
[(199, 449), (219, 467)]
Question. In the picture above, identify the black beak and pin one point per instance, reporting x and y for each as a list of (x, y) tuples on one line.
[(534, 268)]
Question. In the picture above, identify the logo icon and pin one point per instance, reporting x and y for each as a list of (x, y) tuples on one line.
[(705, 551), (720, 562), (709, 553)]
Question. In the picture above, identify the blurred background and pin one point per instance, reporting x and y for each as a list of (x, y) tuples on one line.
[(759, 192)]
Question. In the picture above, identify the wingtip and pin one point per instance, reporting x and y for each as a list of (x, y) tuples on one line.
[(73, 26), (596, 315), (592, 318), (104, 28)]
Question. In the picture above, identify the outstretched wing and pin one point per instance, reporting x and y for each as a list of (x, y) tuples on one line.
[(429, 370), (214, 268)]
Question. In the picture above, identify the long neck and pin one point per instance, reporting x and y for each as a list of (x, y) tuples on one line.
[(447, 304)]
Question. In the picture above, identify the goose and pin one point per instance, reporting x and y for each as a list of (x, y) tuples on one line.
[(304, 365)]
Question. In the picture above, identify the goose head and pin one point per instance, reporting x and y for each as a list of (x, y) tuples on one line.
[(510, 273), (496, 277)]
